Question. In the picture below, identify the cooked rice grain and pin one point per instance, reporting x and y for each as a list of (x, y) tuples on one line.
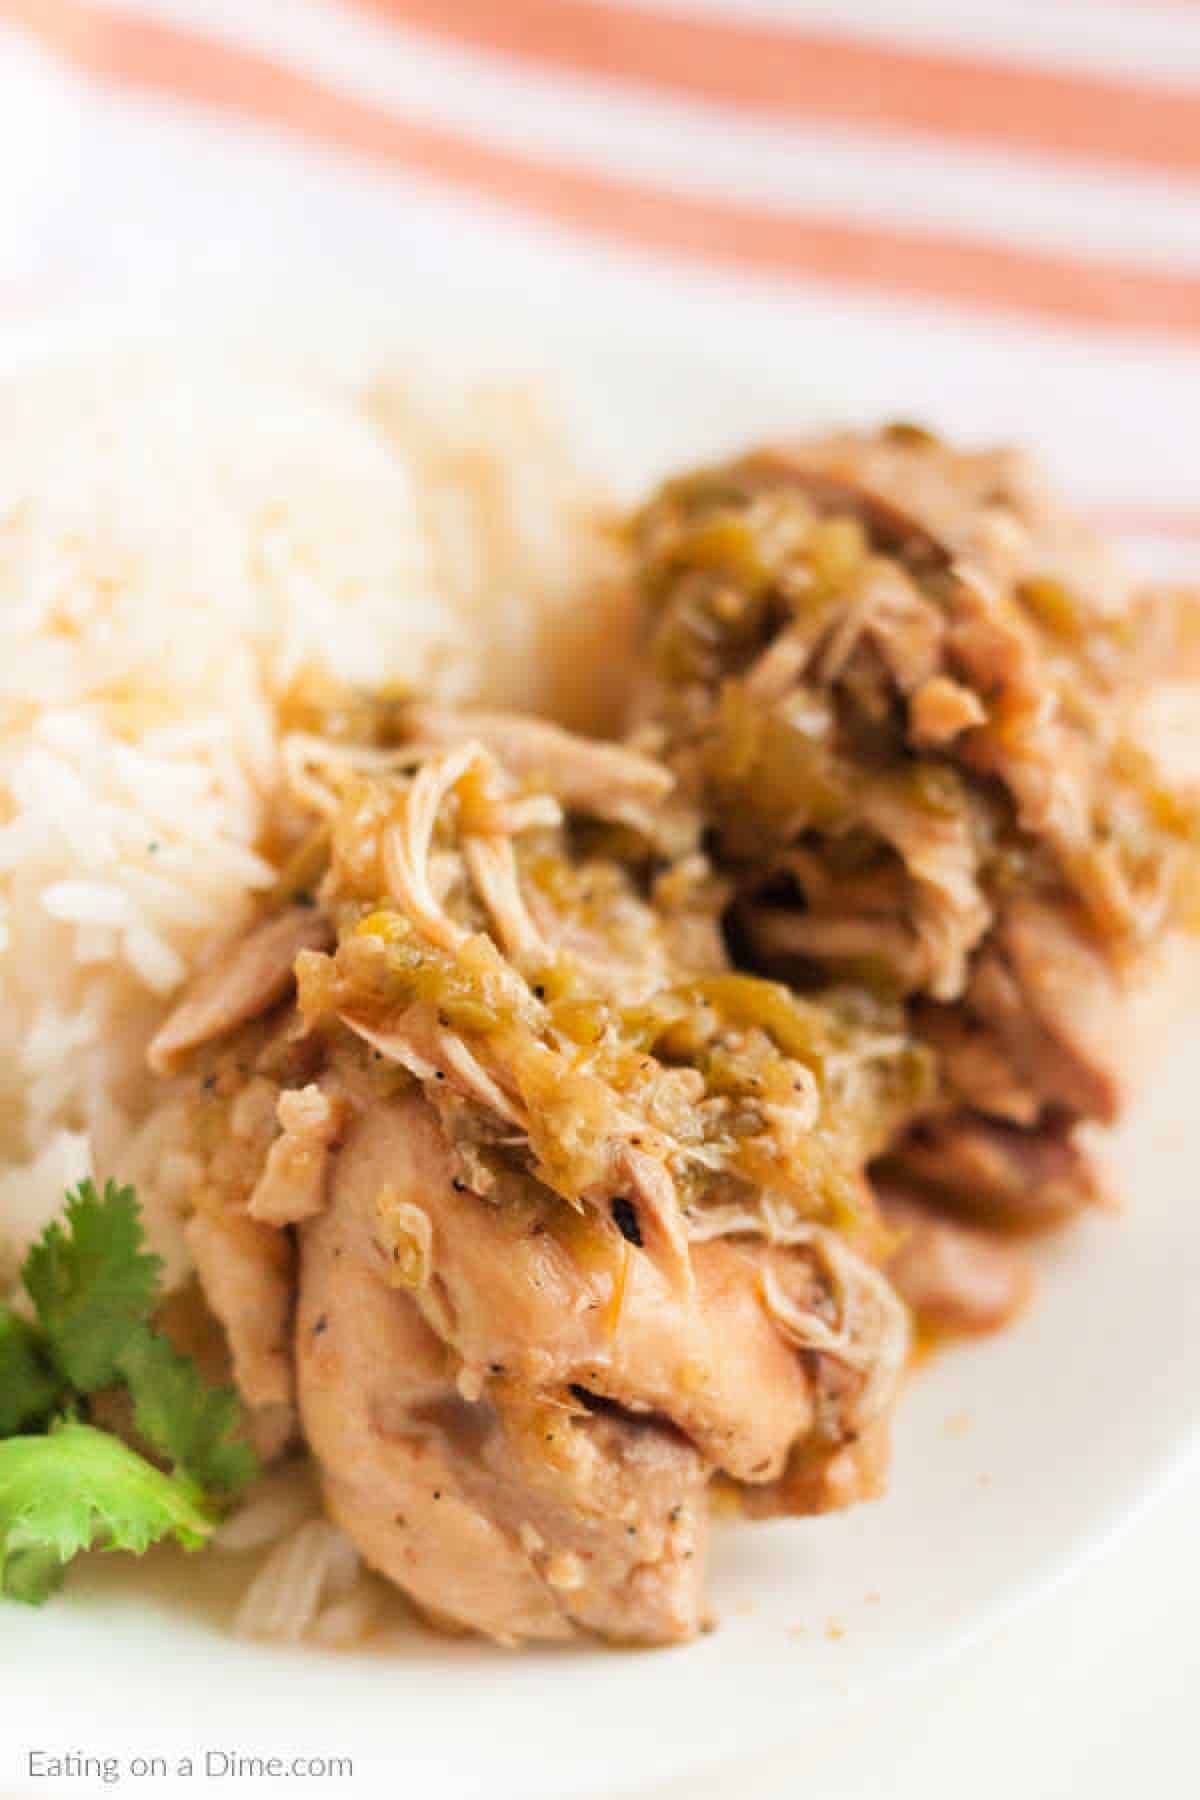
[(306, 1588)]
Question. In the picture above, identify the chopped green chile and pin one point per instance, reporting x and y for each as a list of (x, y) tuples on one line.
[(914, 763)]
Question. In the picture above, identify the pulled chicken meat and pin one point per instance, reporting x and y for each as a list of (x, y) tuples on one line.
[(579, 1125), (535, 1212), (900, 684)]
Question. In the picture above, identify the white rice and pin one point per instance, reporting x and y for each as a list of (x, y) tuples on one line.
[(279, 1502), (312, 1584), (304, 1579), (176, 546)]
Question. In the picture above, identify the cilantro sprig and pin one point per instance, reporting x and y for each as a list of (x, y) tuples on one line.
[(30, 1386), (65, 1485), (92, 1282), (78, 1487), (174, 1409)]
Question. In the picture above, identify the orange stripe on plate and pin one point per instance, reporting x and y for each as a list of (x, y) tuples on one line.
[(164, 59), (816, 75)]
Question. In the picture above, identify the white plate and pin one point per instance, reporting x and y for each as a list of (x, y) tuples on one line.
[(1014, 1458)]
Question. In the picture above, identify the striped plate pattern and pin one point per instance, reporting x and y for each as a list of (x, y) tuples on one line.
[(996, 207)]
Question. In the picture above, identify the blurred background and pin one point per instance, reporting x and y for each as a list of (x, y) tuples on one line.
[(997, 205), (996, 209)]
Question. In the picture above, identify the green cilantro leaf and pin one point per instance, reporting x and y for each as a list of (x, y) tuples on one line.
[(29, 1388), (77, 1487), (31, 1576), (94, 1287), (92, 1282), (191, 1424)]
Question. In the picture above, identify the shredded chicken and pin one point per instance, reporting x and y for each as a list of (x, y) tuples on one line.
[(246, 1271), (580, 1224), (238, 983), (900, 681), (604, 780), (999, 1174), (954, 1277), (582, 1124)]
